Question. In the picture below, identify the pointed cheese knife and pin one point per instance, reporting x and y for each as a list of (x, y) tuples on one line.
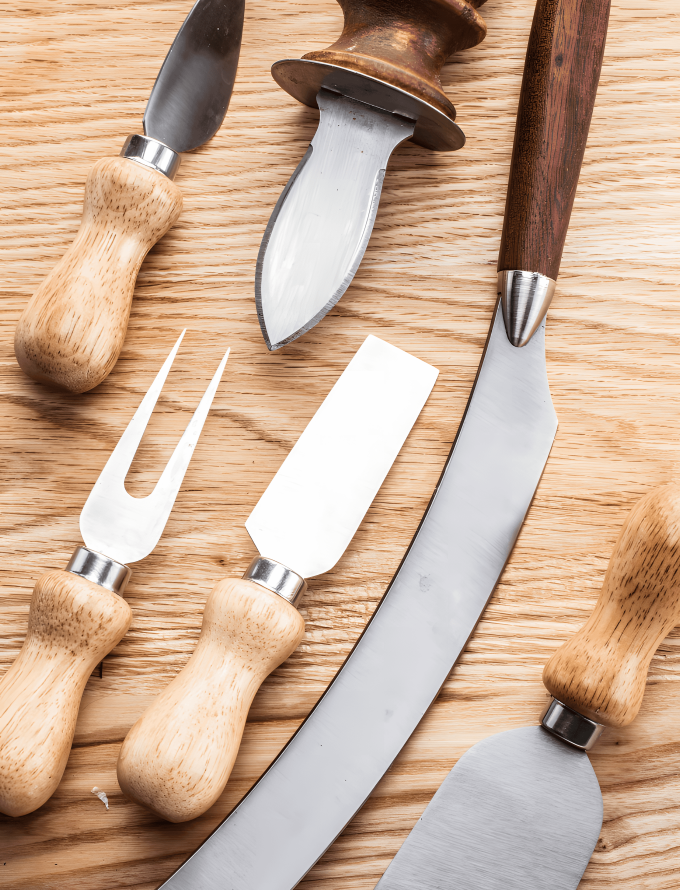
[(177, 758), (375, 87), (523, 810), (78, 615), (72, 330)]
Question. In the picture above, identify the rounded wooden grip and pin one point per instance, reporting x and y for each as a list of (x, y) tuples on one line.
[(405, 43), (561, 74), (601, 671), (178, 756), (72, 330), (72, 625)]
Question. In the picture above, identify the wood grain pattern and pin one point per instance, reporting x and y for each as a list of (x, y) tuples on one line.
[(405, 43), (72, 625), (601, 671), (177, 758), (76, 77), (72, 330), (563, 62)]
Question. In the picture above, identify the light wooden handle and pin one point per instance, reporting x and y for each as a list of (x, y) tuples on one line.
[(601, 671), (72, 625), (178, 756), (72, 330)]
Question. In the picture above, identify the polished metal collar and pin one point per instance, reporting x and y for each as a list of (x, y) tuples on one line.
[(276, 577), (525, 298), (99, 569), (570, 726), (151, 153)]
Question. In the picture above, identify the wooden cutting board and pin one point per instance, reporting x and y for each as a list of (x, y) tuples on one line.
[(75, 76)]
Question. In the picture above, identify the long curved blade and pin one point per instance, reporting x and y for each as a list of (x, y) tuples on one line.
[(192, 91), (339, 754), (318, 232), (519, 811)]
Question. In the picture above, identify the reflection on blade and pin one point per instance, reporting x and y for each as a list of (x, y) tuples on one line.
[(191, 95), (377, 699), (320, 227), (519, 811)]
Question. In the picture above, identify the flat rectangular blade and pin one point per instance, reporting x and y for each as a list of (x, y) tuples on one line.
[(519, 811), (340, 753), (318, 498)]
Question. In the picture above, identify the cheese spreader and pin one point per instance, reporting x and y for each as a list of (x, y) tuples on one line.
[(342, 750), (522, 810), (177, 758), (72, 330), (377, 85), (78, 615)]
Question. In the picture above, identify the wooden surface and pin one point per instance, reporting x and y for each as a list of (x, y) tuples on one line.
[(75, 77)]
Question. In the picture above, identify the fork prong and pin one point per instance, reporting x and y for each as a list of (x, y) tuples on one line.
[(171, 477), (122, 455)]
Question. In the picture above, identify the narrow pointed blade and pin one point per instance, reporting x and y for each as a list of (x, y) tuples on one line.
[(192, 91), (318, 498), (519, 811), (342, 750), (321, 224)]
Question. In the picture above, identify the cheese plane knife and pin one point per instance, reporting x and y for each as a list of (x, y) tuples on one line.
[(72, 330), (77, 615), (177, 758), (377, 85), (522, 810), (339, 754)]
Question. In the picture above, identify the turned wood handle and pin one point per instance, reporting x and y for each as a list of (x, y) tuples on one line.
[(177, 758), (72, 625), (72, 330), (405, 43), (561, 73), (601, 671)]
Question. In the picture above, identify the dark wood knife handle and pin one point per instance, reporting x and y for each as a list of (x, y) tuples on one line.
[(405, 42), (561, 74)]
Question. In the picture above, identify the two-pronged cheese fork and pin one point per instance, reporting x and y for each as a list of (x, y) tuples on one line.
[(78, 615)]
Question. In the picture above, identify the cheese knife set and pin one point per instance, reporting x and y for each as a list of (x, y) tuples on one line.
[(521, 810)]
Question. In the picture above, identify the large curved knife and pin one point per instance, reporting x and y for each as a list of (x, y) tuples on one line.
[(326, 772), (72, 330)]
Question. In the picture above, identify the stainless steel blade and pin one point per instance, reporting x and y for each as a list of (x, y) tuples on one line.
[(192, 91), (319, 781), (519, 811), (318, 498), (321, 224)]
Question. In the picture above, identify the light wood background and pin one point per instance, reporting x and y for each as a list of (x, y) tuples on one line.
[(74, 78)]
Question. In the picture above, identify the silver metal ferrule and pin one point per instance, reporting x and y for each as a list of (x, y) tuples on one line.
[(525, 298), (99, 569), (151, 153), (570, 726), (276, 577)]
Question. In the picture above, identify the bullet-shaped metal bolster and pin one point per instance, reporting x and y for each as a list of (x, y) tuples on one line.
[(276, 577), (525, 298), (570, 726), (99, 569), (151, 153)]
